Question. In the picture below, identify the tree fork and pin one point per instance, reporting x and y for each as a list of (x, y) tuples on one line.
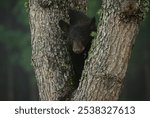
[(106, 65)]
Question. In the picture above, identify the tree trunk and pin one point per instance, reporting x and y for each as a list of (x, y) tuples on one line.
[(106, 65), (50, 56)]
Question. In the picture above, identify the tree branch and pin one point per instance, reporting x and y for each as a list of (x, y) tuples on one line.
[(106, 66)]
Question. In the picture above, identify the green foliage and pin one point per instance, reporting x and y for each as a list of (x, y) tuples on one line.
[(17, 41), (26, 5), (94, 34), (93, 7), (19, 45), (4, 4), (20, 12)]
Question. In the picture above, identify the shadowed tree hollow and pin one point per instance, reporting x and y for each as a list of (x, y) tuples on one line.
[(106, 65)]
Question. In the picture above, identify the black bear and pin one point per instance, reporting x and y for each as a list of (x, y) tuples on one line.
[(79, 34)]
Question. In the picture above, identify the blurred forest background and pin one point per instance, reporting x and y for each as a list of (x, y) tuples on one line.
[(17, 81)]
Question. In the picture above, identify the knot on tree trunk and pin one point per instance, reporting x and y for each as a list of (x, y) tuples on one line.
[(133, 10)]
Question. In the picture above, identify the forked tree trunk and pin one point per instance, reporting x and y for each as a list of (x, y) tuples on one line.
[(106, 65)]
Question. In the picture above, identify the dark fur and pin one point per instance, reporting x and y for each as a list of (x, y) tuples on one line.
[(79, 33)]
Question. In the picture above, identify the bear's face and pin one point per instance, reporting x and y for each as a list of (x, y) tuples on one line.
[(78, 31), (79, 36)]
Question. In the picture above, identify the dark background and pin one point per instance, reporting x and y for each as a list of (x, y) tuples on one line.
[(17, 81)]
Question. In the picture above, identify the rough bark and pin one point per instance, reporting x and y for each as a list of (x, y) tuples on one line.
[(50, 56), (105, 68)]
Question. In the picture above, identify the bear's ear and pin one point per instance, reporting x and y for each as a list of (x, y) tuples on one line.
[(64, 26), (74, 16), (93, 24)]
